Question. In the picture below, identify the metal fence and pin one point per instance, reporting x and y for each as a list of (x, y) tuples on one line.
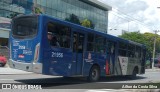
[(4, 50)]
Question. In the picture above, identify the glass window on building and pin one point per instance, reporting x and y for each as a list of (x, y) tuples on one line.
[(1, 13), (49, 11), (63, 16), (43, 3), (59, 14), (54, 13), (59, 8), (49, 3)]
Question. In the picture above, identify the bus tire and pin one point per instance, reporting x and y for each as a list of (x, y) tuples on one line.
[(66, 77), (134, 73), (94, 74)]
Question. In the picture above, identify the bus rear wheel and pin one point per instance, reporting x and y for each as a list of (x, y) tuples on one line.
[(94, 74), (134, 74)]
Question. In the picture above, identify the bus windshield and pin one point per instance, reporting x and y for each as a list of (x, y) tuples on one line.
[(24, 27)]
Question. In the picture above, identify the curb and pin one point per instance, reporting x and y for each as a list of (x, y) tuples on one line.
[(152, 70)]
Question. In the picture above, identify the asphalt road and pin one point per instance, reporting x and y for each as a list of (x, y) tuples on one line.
[(52, 82)]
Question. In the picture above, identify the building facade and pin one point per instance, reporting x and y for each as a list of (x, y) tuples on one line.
[(92, 10)]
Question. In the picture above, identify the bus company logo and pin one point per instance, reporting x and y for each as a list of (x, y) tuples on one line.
[(123, 60), (6, 86)]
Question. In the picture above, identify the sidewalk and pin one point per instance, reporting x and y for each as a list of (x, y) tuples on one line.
[(7, 71), (152, 70)]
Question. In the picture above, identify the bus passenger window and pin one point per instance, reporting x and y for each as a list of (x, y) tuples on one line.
[(138, 52), (111, 47), (90, 42), (75, 42), (52, 39), (99, 44), (131, 50), (122, 52), (59, 35), (122, 49), (80, 43)]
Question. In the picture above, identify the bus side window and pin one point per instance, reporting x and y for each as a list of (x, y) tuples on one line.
[(122, 49), (90, 42), (75, 40), (138, 52), (58, 35), (80, 43), (99, 40), (111, 47), (131, 50)]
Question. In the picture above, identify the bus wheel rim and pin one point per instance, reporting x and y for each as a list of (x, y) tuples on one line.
[(94, 74)]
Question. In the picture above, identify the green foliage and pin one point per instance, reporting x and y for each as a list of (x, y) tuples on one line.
[(87, 23), (12, 15), (73, 18), (37, 10), (146, 38)]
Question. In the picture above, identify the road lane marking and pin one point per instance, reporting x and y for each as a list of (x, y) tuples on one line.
[(5, 79)]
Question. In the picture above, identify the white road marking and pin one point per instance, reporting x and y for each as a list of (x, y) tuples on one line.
[(5, 79), (107, 90)]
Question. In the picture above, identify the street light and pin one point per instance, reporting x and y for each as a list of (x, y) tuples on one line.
[(154, 47)]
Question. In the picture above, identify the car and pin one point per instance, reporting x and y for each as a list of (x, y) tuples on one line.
[(3, 60)]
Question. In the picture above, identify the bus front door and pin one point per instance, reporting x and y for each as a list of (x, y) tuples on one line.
[(78, 48)]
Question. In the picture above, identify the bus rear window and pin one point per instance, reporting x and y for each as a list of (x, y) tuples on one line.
[(24, 27)]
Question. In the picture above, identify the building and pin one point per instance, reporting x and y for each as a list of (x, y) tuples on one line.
[(92, 10), (4, 30)]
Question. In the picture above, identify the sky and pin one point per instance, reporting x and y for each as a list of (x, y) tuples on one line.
[(133, 15)]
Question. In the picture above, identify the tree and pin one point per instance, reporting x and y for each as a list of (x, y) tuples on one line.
[(87, 23), (150, 38), (146, 39), (37, 10), (73, 18)]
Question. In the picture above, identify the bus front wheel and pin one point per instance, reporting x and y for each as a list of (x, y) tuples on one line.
[(94, 74)]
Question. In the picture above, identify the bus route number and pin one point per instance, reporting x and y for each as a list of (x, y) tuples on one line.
[(22, 47), (57, 54)]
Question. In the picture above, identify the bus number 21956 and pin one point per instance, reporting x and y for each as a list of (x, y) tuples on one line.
[(57, 54)]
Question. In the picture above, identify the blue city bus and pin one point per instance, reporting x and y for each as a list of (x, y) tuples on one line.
[(50, 46)]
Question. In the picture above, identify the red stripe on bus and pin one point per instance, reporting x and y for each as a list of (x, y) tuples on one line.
[(107, 67)]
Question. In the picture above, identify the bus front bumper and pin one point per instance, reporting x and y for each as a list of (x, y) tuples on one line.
[(30, 67)]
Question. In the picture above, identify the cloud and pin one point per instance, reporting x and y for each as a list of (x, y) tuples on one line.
[(142, 15), (134, 7)]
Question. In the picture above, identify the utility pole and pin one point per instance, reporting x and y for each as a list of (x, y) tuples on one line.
[(154, 48)]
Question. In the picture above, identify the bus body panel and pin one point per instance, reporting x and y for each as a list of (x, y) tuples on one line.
[(56, 61), (26, 53), (41, 57)]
